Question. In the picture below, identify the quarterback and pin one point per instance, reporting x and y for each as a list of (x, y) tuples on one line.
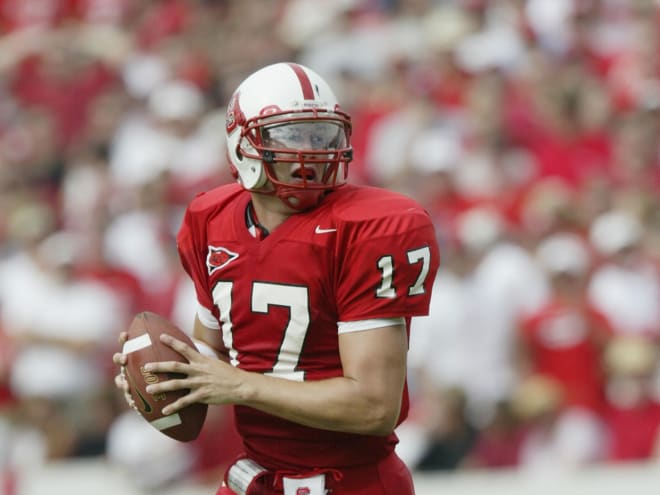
[(306, 285)]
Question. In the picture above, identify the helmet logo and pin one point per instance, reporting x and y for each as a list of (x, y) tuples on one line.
[(235, 116), (219, 257), (269, 110)]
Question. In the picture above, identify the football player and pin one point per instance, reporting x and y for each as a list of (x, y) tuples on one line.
[(306, 286)]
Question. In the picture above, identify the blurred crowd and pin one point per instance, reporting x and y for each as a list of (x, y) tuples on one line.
[(529, 129)]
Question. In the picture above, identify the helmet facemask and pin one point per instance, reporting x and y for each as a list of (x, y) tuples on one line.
[(303, 154)]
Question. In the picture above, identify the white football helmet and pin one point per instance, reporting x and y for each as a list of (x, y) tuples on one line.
[(286, 115)]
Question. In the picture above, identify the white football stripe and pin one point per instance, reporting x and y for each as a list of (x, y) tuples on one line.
[(166, 422), (136, 343)]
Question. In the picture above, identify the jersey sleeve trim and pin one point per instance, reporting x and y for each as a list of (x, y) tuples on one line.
[(361, 325), (207, 318)]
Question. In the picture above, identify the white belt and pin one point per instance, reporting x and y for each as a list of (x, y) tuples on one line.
[(242, 474)]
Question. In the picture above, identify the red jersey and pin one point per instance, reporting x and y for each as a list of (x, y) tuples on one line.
[(363, 253)]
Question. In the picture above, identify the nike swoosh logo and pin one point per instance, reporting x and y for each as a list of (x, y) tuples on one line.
[(147, 407), (319, 230)]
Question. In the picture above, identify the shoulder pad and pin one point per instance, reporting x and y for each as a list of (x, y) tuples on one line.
[(379, 212), (215, 197)]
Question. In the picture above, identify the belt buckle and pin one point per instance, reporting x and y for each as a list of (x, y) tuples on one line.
[(309, 485)]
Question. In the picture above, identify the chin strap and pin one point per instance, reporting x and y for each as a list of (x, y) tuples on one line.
[(296, 199), (300, 200)]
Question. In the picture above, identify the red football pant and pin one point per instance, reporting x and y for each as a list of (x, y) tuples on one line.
[(389, 477)]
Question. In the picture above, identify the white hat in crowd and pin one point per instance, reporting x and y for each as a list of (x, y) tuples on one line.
[(615, 230), (564, 253), (478, 228), (176, 100)]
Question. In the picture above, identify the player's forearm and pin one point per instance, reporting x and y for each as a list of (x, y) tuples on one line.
[(208, 341), (340, 404), (366, 399)]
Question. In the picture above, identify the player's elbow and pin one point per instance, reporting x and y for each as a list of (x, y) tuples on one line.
[(381, 427), (382, 419)]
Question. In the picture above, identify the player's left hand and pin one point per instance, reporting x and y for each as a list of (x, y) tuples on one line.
[(209, 380), (121, 382)]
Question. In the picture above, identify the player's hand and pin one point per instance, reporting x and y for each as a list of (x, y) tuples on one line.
[(209, 380), (121, 382)]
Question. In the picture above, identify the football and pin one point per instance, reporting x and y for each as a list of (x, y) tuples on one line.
[(144, 346)]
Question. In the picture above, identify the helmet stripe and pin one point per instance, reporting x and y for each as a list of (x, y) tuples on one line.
[(305, 83)]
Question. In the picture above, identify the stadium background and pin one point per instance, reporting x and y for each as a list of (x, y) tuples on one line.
[(528, 128)]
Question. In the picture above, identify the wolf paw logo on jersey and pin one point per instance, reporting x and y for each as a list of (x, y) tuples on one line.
[(219, 257)]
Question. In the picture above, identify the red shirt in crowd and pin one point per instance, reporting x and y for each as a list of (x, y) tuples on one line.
[(564, 342)]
